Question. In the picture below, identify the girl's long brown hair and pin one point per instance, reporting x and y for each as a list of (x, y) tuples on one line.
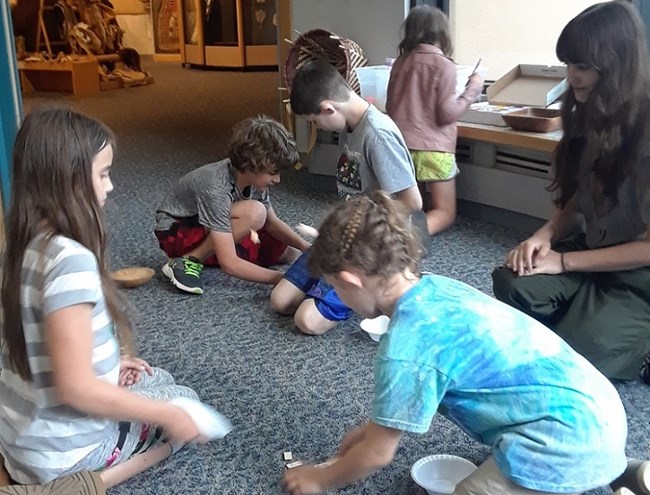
[(52, 193), (427, 25), (606, 133)]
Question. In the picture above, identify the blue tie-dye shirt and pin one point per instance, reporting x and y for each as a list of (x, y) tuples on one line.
[(553, 421)]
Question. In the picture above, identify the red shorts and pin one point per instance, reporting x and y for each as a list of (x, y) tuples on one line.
[(185, 236)]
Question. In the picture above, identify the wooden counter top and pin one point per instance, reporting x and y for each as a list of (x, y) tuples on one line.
[(505, 135)]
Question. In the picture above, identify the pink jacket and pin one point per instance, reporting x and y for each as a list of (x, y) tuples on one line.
[(422, 102)]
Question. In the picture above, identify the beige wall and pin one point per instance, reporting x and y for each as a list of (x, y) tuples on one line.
[(134, 18), (509, 32), (373, 24), (138, 32)]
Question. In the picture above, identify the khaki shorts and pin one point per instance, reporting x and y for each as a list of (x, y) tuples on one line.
[(488, 480), (434, 165)]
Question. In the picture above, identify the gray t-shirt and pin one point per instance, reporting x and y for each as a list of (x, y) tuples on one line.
[(628, 220), (207, 194), (374, 156)]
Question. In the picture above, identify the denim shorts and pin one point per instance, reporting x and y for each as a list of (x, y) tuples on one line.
[(325, 297)]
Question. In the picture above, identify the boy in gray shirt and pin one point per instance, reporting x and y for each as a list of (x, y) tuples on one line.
[(220, 214), (373, 156)]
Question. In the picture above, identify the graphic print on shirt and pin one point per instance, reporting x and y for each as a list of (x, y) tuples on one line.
[(348, 176)]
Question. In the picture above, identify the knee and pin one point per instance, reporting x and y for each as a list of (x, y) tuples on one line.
[(282, 302), (309, 320), (255, 214), (502, 283)]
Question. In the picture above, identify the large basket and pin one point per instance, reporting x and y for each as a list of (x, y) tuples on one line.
[(342, 53)]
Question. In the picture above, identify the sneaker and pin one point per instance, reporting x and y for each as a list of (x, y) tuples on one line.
[(185, 274), (636, 477), (82, 483), (644, 374)]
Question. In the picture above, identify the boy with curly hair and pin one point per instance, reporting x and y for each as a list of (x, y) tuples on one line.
[(220, 214)]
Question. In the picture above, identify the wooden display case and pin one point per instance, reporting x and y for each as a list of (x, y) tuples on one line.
[(228, 33)]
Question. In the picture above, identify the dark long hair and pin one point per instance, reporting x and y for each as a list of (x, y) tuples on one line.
[(608, 130), (53, 194), (428, 25)]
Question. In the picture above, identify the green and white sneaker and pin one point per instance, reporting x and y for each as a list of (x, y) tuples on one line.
[(185, 274)]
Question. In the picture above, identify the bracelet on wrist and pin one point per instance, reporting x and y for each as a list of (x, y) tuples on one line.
[(562, 262)]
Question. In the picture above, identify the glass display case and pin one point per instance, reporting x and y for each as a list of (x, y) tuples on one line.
[(228, 33)]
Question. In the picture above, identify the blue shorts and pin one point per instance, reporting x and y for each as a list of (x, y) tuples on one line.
[(325, 297)]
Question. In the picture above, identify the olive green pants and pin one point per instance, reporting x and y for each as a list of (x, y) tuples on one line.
[(604, 316)]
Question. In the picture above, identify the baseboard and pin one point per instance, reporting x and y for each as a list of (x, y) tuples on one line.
[(518, 221), (167, 57)]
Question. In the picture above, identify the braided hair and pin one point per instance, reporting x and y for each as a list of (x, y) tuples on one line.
[(371, 233)]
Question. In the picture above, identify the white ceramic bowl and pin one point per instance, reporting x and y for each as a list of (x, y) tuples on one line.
[(439, 474), (375, 327)]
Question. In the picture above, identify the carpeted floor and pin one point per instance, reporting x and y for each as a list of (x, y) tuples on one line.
[(282, 391)]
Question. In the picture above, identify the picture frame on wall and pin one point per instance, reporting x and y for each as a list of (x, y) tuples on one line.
[(165, 26)]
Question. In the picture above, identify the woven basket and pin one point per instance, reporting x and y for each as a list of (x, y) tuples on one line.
[(344, 54)]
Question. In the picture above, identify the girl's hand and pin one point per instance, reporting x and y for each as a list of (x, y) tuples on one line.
[(131, 370), (179, 427), (303, 480), (527, 255), (475, 79), (551, 264)]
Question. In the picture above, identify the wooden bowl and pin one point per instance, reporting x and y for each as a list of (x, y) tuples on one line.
[(533, 119), (133, 276)]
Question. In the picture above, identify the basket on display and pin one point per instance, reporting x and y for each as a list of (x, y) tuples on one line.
[(344, 54)]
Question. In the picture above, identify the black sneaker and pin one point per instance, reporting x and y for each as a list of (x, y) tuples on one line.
[(644, 374), (185, 274)]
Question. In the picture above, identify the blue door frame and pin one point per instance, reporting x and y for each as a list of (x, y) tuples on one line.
[(11, 108)]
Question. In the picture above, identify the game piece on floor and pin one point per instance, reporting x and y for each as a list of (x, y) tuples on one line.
[(294, 464), (288, 456)]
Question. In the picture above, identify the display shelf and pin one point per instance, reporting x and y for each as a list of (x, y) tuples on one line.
[(79, 77), (228, 33)]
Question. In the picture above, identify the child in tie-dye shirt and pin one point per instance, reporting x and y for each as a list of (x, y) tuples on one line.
[(555, 424)]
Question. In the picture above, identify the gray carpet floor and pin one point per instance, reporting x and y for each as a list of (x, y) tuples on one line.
[(282, 391)]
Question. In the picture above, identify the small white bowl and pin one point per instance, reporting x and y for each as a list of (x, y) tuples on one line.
[(439, 474), (375, 327)]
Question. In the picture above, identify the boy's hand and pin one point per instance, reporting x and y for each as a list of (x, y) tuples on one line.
[(304, 480), (278, 276)]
